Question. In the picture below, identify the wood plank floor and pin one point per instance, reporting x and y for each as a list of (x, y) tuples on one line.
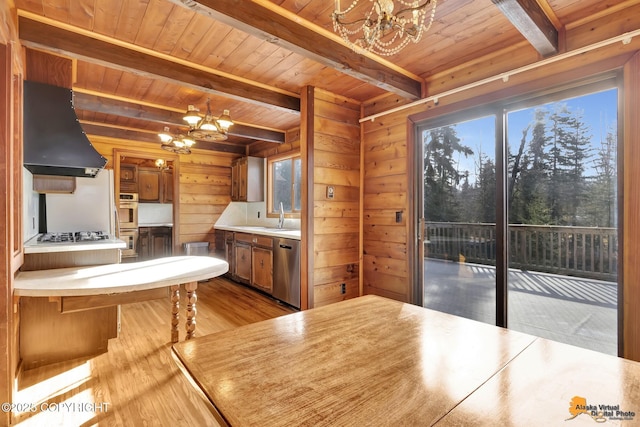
[(137, 383)]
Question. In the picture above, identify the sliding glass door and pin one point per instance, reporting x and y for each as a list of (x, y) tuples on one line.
[(563, 222), (520, 223), (459, 172)]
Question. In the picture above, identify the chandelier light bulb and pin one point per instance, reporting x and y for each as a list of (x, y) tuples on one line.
[(192, 117)]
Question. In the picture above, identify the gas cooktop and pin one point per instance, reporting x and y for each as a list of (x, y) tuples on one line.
[(70, 237)]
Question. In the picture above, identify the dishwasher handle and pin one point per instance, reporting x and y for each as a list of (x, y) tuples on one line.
[(286, 246)]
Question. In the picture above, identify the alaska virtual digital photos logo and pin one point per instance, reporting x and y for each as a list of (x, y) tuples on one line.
[(600, 413)]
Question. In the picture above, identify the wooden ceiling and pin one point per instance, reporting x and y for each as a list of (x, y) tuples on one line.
[(139, 63)]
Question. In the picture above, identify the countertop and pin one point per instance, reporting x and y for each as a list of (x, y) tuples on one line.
[(287, 233), (32, 246), (156, 224), (118, 278)]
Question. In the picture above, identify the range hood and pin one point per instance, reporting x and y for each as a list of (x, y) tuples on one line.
[(54, 142)]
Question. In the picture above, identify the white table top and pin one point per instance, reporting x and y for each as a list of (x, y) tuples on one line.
[(118, 278)]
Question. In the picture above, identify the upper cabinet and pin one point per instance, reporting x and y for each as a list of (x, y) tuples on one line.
[(167, 186), (149, 185), (247, 179), (128, 178), (153, 185)]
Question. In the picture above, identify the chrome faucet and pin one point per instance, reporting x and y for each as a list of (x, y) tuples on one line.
[(281, 219)]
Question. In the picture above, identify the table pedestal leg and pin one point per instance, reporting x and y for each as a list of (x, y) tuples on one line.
[(175, 308), (191, 308)]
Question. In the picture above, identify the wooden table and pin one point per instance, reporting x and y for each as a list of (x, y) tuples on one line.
[(83, 288), (365, 361), (544, 385), (374, 361)]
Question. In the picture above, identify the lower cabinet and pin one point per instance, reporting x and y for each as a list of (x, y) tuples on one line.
[(154, 242), (262, 271), (48, 336), (243, 262), (250, 258)]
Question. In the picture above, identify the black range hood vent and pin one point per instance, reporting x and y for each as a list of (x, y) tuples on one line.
[(54, 142)]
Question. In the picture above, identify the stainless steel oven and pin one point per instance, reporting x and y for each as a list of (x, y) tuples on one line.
[(128, 211), (130, 237)]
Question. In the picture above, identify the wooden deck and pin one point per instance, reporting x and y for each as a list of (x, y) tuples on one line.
[(577, 311), (137, 382)]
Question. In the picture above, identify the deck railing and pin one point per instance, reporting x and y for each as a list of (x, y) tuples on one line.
[(590, 252)]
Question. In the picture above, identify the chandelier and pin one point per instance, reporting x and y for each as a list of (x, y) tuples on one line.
[(381, 31), (204, 127), (207, 127), (180, 144)]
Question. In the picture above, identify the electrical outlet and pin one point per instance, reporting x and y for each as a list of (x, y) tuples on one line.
[(398, 217), (343, 288)]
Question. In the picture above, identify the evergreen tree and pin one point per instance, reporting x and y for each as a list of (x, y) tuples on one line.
[(576, 151), (485, 203), (601, 209), (531, 185), (559, 119), (441, 174)]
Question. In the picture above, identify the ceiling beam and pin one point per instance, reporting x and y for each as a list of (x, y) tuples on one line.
[(529, 18), (119, 133), (40, 35), (132, 110), (266, 24)]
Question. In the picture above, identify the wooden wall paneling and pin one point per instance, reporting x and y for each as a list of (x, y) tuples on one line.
[(7, 342), (50, 69), (631, 207), (385, 262), (11, 69), (307, 144), (336, 226)]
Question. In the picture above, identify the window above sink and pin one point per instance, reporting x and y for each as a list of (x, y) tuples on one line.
[(284, 178)]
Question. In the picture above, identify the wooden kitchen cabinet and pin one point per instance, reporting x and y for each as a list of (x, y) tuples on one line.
[(161, 242), (247, 179), (155, 186), (262, 268), (149, 185), (229, 252), (242, 258), (49, 336), (128, 178), (167, 187), (250, 259), (154, 242)]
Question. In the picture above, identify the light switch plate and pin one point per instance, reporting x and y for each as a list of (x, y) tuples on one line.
[(330, 191)]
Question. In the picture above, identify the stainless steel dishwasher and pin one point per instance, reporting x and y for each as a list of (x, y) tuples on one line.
[(286, 271)]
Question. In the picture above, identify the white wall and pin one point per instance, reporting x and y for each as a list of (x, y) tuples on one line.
[(30, 208)]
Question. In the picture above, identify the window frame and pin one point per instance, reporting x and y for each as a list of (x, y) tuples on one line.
[(271, 210), (502, 106)]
